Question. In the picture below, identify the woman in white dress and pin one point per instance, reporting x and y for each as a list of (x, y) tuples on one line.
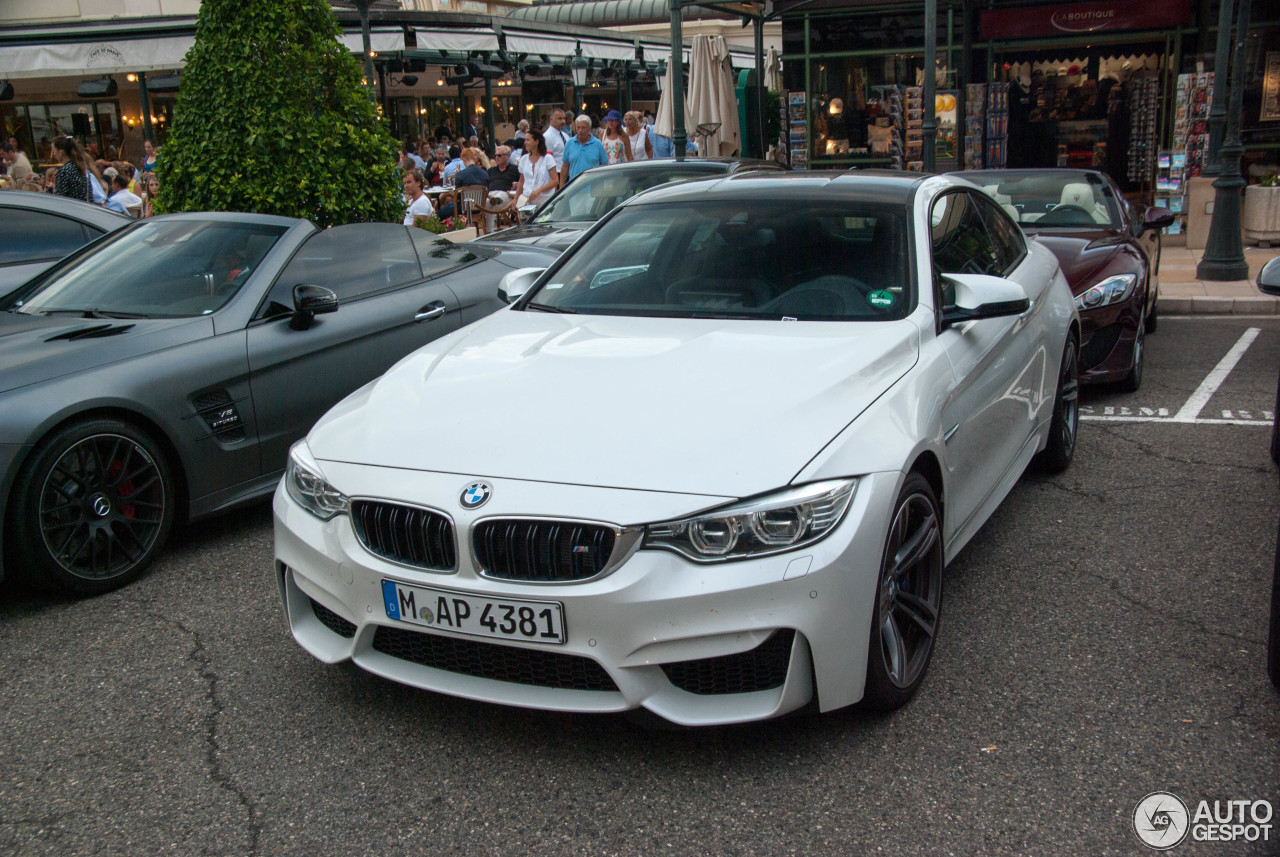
[(416, 201), (538, 175), (641, 145)]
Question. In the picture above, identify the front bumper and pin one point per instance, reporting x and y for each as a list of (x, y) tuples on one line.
[(695, 644), (1108, 335)]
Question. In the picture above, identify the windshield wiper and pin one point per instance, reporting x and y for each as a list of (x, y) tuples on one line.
[(549, 308), (92, 312)]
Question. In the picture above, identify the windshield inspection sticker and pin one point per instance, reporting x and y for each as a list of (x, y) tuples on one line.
[(880, 298)]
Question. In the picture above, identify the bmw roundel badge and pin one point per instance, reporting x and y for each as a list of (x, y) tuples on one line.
[(475, 495)]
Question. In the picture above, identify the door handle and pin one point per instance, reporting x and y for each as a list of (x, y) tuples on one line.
[(430, 312)]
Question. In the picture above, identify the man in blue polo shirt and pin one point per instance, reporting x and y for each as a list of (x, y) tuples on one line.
[(583, 151)]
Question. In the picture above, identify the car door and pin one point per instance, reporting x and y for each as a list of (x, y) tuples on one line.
[(387, 308), (1148, 242), (990, 412)]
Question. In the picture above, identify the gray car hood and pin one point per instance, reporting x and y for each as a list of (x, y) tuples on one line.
[(551, 235), (37, 348)]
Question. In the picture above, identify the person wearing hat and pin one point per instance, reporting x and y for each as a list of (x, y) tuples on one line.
[(617, 145)]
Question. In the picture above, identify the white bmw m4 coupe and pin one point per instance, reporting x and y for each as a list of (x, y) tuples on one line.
[(711, 463)]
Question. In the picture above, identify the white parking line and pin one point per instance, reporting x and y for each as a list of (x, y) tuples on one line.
[(1196, 402)]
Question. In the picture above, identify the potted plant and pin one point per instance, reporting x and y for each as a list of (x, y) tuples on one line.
[(450, 228), (1261, 215)]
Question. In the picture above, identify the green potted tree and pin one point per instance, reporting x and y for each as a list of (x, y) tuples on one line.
[(272, 117), (1261, 215)]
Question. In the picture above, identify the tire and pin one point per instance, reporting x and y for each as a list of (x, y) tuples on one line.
[(1131, 382), (92, 508), (908, 605), (1065, 422)]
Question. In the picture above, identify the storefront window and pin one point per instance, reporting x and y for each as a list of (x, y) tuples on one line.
[(95, 124)]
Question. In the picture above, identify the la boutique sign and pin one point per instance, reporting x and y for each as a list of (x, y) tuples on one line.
[(1083, 22), (1083, 18)]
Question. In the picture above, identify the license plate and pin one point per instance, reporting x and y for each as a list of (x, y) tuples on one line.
[(474, 615)]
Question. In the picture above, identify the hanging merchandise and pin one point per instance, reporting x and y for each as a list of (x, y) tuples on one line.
[(1144, 105), (997, 125), (889, 128), (798, 129), (974, 120)]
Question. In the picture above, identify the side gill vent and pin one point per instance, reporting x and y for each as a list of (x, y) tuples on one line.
[(219, 413), (97, 331)]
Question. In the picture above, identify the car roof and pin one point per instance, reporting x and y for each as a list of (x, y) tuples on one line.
[(94, 215), (234, 216), (887, 186)]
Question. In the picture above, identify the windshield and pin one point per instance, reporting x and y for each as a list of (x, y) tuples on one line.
[(599, 191), (784, 260), (160, 268), (1047, 199)]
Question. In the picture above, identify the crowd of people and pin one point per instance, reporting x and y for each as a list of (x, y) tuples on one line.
[(527, 169), (116, 185)]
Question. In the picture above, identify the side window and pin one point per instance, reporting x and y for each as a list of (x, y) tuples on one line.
[(1007, 238), (353, 261), (961, 244), (30, 235), (438, 256)]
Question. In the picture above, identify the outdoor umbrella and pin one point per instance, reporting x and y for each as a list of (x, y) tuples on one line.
[(773, 71), (712, 99)]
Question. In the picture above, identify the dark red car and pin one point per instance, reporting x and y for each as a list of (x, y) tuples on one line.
[(1108, 254)]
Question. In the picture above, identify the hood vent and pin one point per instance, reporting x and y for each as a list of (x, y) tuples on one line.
[(97, 331), (219, 413)]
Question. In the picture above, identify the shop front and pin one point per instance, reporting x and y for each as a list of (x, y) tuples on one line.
[(1089, 85)]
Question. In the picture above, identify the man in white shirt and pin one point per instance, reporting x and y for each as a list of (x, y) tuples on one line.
[(557, 135), (121, 198)]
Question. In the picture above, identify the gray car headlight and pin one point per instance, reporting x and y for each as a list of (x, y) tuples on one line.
[(1112, 290), (308, 488), (771, 524)]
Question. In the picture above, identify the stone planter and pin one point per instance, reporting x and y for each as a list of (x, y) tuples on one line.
[(459, 235), (1261, 215)]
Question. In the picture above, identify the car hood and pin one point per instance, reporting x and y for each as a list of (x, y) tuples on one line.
[(551, 235), (37, 348), (701, 406), (1082, 254)]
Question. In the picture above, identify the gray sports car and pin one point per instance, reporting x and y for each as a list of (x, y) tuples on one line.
[(162, 372)]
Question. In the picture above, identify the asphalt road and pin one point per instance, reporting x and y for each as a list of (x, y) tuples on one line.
[(1103, 639)]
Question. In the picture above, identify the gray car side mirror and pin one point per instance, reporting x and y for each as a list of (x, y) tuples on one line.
[(310, 301), (513, 286), (1269, 277)]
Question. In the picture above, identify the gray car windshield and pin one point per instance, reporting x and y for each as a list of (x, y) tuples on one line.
[(599, 191), (1044, 199), (160, 268), (751, 259)]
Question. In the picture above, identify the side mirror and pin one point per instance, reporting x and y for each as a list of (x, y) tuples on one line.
[(1157, 218), (1269, 277), (310, 301), (513, 286), (981, 296)]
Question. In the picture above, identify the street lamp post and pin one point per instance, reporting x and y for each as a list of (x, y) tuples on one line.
[(679, 138), (1218, 111), (930, 124), (578, 68), (366, 42), (1224, 253)]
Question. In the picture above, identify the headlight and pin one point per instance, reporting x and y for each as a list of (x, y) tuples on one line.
[(772, 524), (305, 485), (1112, 290)]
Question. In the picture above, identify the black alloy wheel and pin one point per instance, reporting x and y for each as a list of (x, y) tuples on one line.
[(908, 604), (93, 506), (1065, 422)]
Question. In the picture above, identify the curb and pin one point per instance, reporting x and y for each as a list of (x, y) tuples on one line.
[(1210, 305)]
